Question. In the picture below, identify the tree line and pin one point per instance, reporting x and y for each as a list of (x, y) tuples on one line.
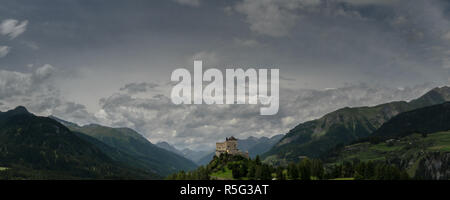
[(307, 169)]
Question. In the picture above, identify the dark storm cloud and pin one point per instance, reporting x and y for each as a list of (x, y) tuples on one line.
[(386, 41)]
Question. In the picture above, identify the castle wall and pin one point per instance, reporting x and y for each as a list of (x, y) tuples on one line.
[(230, 147)]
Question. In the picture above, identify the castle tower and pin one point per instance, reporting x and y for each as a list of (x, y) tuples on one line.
[(229, 147)]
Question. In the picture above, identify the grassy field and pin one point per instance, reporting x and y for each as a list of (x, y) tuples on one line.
[(411, 144), (343, 179), (408, 148), (223, 175), (3, 168), (441, 142), (227, 175)]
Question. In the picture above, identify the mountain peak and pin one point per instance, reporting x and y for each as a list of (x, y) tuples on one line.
[(168, 147), (444, 91), (437, 95), (163, 143), (19, 110)]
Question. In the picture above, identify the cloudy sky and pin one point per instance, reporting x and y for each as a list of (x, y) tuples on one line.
[(110, 61)]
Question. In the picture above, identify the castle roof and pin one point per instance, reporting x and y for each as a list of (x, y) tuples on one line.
[(230, 138)]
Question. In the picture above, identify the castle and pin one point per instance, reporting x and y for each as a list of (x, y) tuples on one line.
[(229, 147)]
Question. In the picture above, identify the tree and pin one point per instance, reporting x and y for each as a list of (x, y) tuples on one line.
[(243, 170), (202, 173), (317, 169), (404, 175), (251, 171), (238, 169), (369, 173), (181, 176), (170, 177), (305, 169), (334, 171), (279, 173), (235, 173), (347, 169), (259, 172), (257, 160), (360, 171), (266, 173), (292, 171), (358, 176)]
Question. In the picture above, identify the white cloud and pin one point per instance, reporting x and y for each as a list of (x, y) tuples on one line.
[(277, 18), (193, 3), (446, 36), (14, 83), (36, 91), (247, 42), (209, 58), (13, 28), (200, 126), (270, 17), (17, 84), (4, 50), (134, 88), (44, 72)]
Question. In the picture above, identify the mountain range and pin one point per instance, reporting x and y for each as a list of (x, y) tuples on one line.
[(316, 137), (33, 147), (417, 141), (145, 154), (413, 135), (36, 147), (253, 145)]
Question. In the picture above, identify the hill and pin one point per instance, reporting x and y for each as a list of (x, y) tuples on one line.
[(33, 147), (422, 157), (228, 167), (145, 154), (316, 137), (417, 141), (424, 120)]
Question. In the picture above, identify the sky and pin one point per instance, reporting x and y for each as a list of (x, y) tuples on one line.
[(110, 61)]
